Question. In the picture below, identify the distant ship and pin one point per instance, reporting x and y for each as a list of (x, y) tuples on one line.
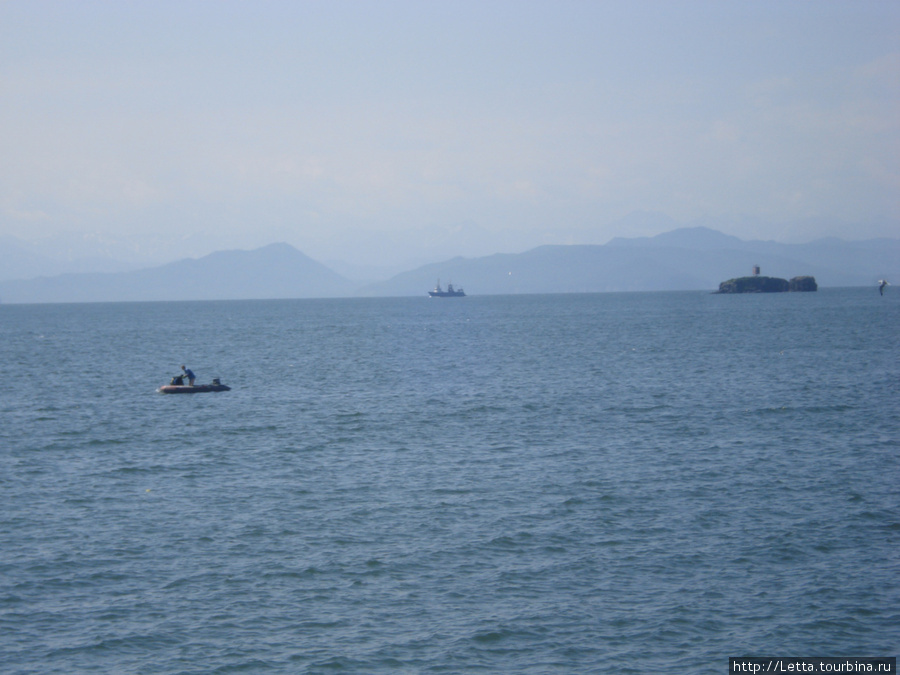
[(451, 292)]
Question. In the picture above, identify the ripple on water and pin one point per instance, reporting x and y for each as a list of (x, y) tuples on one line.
[(516, 492)]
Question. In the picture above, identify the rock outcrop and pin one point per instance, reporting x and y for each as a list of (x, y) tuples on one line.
[(803, 284), (754, 285), (758, 284)]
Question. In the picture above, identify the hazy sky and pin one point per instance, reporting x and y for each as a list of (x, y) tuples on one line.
[(357, 130)]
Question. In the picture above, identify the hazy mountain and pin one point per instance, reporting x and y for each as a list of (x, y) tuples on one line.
[(20, 260), (696, 258), (699, 238), (274, 271), (684, 259)]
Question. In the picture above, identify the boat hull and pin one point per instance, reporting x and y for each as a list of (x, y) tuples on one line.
[(449, 292), (196, 389)]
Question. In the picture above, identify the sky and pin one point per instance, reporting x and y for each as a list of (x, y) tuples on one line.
[(386, 132)]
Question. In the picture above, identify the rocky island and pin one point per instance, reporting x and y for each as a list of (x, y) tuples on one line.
[(758, 284)]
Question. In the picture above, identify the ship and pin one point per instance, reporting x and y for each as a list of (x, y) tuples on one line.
[(451, 292)]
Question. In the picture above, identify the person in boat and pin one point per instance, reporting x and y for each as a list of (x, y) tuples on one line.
[(189, 374)]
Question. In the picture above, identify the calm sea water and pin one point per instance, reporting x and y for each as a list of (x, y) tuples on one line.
[(634, 483)]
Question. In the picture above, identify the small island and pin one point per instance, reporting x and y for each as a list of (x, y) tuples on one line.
[(758, 284)]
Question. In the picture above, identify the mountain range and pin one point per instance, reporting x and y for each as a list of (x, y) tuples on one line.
[(274, 271), (696, 258)]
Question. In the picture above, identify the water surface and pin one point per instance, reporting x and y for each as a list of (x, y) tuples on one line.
[(631, 483)]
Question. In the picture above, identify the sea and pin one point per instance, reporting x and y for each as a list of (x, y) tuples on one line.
[(591, 483)]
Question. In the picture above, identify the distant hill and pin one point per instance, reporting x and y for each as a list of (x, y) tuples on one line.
[(696, 258), (684, 259), (274, 271), (20, 261), (698, 238)]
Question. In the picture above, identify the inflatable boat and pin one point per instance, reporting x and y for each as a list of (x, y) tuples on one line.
[(177, 386)]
